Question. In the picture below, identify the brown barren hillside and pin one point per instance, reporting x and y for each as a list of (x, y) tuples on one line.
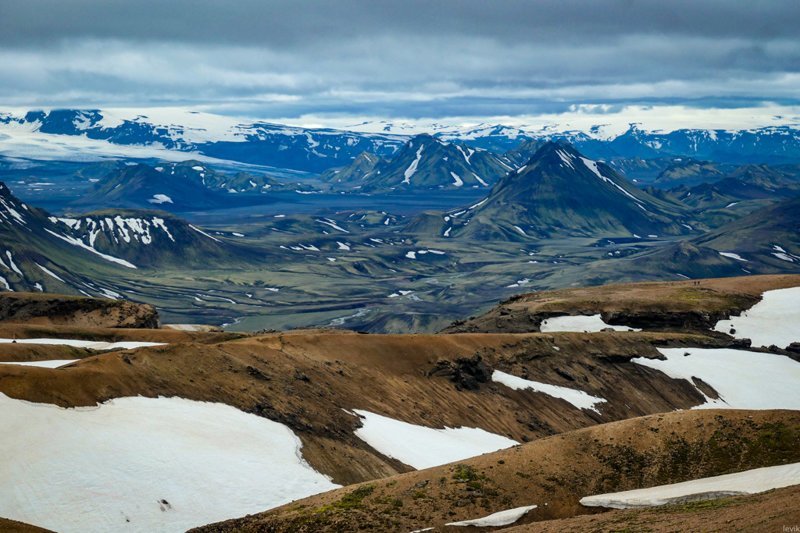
[(307, 380), (12, 526), (552, 473), (771, 511), (673, 305), (60, 309)]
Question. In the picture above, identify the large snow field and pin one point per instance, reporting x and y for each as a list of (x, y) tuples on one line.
[(501, 518), (578, 398), (145, 464), (740, 483), (773, 320), (52, 363), (579, 324), (423, 447), (93, 345), (743, 379)]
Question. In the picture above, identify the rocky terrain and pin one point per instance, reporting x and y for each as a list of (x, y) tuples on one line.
[(54, 309), (677, 305), (539, 417), (552, 473)]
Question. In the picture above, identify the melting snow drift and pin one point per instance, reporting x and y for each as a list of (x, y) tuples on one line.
[(502, 518), (773, 320), (145, 464), (579, 324), (743, 380), (738, 484), (92, 345), (52, 363), (578, 398), (423, 447)]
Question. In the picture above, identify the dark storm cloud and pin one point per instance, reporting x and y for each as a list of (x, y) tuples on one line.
[(291, 23), (410, 57)]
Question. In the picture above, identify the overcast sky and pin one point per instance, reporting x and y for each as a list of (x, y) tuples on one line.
[(409, 58)]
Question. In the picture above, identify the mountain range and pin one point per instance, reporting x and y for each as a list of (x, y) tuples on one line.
[(319, 149)]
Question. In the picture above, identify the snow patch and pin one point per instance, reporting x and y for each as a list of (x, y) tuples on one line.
[(738, 484), (146, 464), (580, 324), (424, 447), (773, 320), (53, 363), (501, 518), (412, 168), (160, 199), (743, 379), (92, 345), (578, 398)]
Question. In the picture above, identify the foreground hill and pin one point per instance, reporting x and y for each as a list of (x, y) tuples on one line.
[(186, 426), (560, 192), (674, 305), (552, 473), (59, 309)]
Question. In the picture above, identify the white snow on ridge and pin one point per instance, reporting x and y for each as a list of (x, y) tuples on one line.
[(92, 345), (145, 464), (592, 165), (743, 379), (80, 244), (457, 181), (566, 159), (424, 447), (739, 483), (578, 398), (501, 518), (773, 320), (580, 324)]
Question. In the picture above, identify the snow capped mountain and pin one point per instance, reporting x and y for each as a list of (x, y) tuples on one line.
[(168, 133)]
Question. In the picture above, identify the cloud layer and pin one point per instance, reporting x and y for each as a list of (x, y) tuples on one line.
[(405, 58)]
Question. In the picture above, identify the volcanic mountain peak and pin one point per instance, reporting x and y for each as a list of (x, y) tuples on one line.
[(559, 191)]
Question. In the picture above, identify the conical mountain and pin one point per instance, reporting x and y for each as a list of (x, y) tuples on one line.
[(353, 175), (559, 192), (426, 162)]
